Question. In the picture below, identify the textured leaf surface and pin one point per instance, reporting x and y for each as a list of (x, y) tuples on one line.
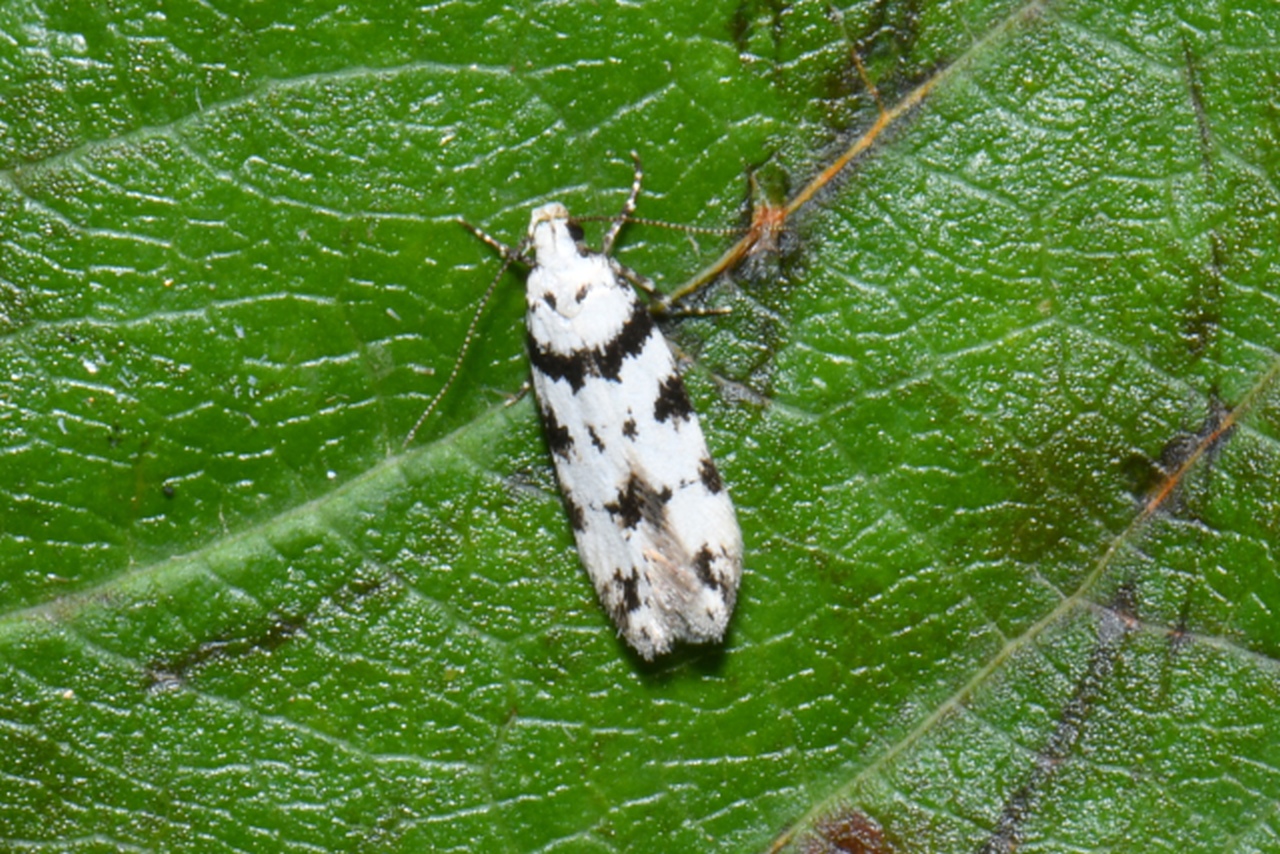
[(1001, 426)]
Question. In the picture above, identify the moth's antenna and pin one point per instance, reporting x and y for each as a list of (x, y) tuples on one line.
[(509, 256), (691, 229), (660, 223)]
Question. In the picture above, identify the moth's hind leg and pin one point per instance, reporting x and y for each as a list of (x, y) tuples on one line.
[(660, 304)]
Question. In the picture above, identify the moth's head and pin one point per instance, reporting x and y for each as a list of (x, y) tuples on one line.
[(552, 232), (548, 213)]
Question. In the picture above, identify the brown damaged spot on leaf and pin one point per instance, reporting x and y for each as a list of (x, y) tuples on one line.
[(768, 222), (850, 832), (175, 670), (1183, 452), (1115, 623), (279, 629), (843, 831)]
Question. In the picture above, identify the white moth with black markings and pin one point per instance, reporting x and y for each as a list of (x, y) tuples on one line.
[(654, 525)]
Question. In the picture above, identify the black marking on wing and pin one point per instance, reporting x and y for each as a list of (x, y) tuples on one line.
[(567, 366), (629, 428), (639, 500), (595, 438), (558, 438), (673, 400), (605, 361), (702, 567), (576, 517), (629, 341), (710, 475), (550, 299), (630, 587)]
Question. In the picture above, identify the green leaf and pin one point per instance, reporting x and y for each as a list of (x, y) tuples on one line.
[(1000, 423)]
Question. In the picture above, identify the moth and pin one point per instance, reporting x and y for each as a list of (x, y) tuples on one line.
[(655, 528)]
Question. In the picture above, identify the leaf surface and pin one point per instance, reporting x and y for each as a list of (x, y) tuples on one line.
[(1000, 423)]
